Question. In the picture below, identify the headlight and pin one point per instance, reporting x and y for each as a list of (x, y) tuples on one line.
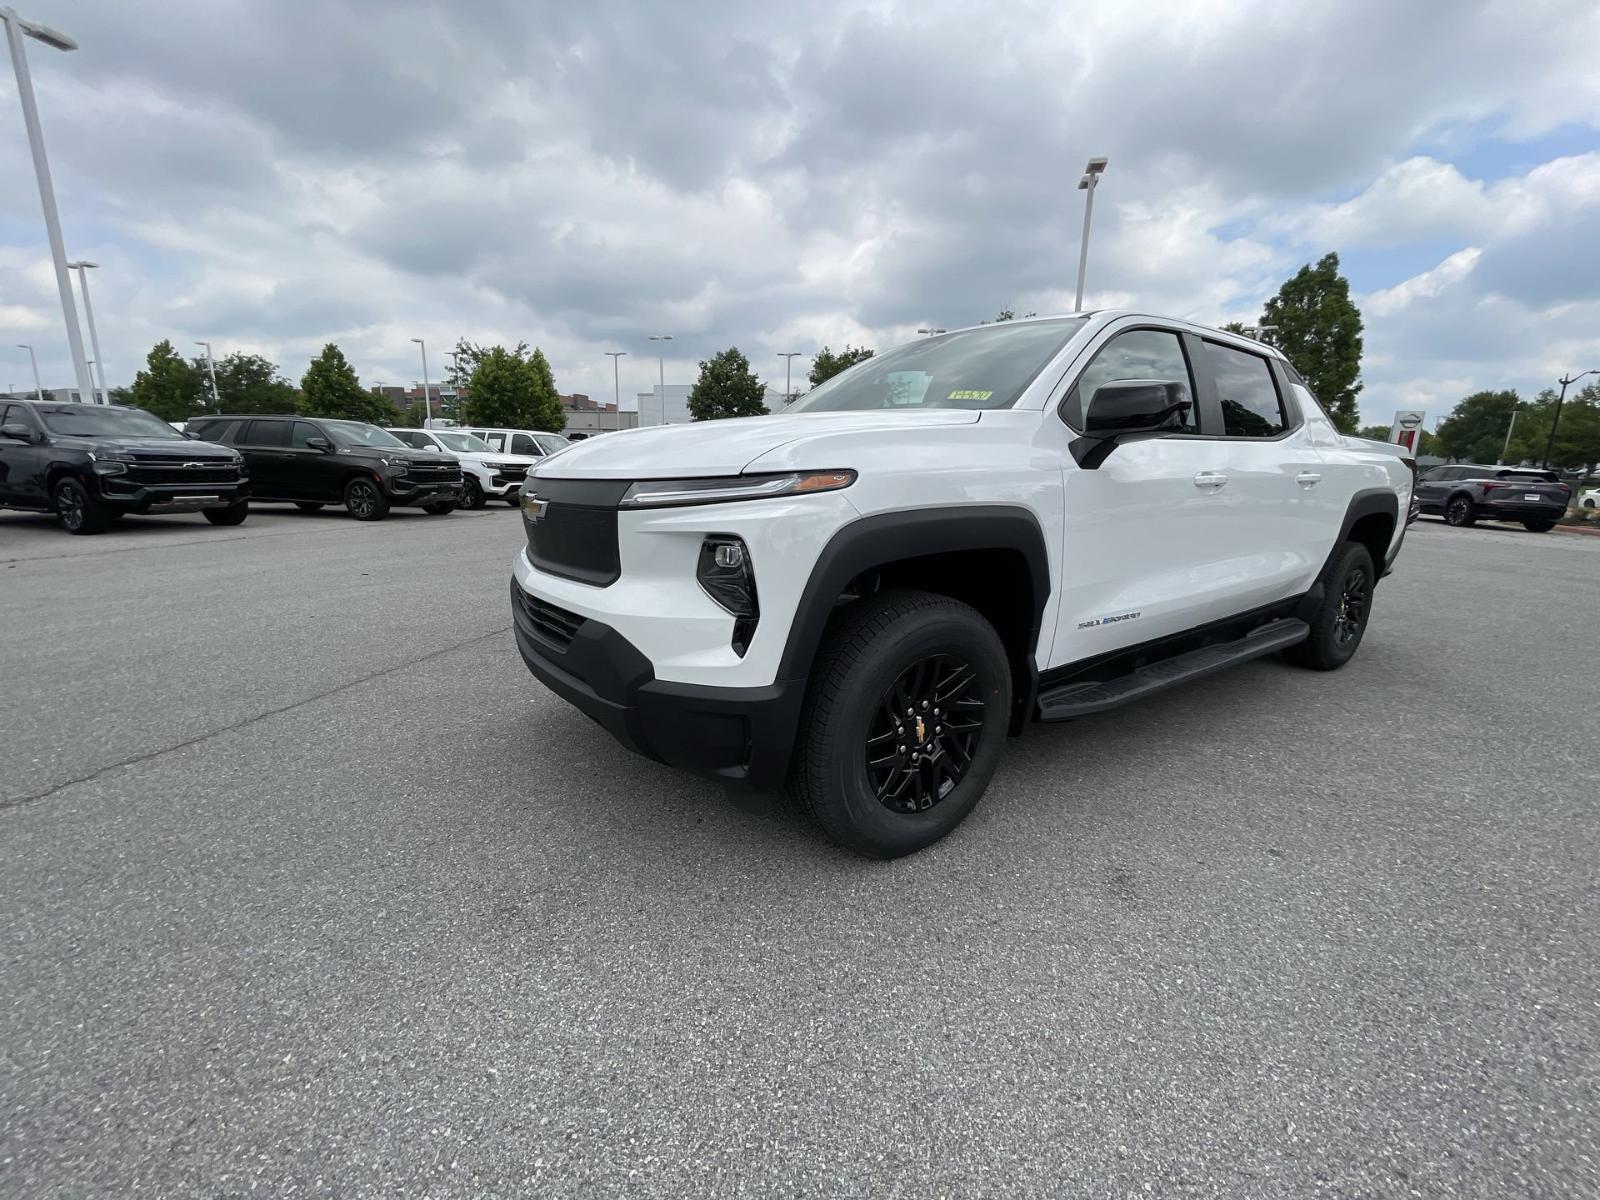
[(110, 462), (727, 576), (656, 493)]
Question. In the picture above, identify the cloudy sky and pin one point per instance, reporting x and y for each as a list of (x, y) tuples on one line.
[(272, 176)]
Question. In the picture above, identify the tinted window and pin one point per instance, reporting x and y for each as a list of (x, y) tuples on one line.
[(359, 433), (97, 420), (1250, 405), (303, 431), (408, 437), (495, 440), (265, 433), (552, 442), (1437, 473), (521, 443), (1137, 354)]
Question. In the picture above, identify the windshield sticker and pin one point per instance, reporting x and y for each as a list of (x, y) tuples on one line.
[(969, 394)]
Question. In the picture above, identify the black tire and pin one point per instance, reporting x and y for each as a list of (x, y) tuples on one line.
[(874, 654), (77, 510), (234, 514), (1458, 511), (1538, 526), (308, 506), (440, 508), (365, 500), (471, 494), (1341, 619), (514, 500)]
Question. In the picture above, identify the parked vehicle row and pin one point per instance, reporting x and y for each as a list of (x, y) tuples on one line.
[(485, 473), (1465, 493)]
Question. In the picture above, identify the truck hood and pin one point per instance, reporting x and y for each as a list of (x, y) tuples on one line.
[(166, 447), (709, 448)]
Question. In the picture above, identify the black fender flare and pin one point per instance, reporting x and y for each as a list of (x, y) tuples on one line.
[(1366, 503), (886, 538)]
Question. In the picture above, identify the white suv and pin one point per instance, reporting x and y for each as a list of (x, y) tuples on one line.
[(485, 472), (1034, 520)]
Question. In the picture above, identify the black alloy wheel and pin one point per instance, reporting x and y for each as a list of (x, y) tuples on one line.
[(364, 500), (1459, 512), (924, 733), (70, 506), (1354, 601), (471, 493)]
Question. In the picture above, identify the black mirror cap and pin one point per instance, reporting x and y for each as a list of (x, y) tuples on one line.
[(319, 443), (17, 430), (1124, 406)]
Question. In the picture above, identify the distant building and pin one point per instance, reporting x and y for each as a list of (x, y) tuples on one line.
[(667, 405)]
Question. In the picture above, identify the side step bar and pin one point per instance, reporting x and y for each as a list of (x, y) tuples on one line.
[(1080, 699)]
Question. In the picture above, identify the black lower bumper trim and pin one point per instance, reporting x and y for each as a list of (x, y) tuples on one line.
[(741, 734)]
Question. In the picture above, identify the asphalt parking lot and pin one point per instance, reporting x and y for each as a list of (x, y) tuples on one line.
[(308, 888)]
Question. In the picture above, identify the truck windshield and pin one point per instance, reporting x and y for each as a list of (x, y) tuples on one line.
[(359, 433), (464, 442), (95, 421), (987, 367)]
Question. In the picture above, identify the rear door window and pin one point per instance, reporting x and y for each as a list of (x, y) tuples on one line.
[(266, 433), (1251, 406)]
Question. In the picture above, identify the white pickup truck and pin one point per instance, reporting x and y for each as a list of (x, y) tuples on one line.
[(1037, 520)]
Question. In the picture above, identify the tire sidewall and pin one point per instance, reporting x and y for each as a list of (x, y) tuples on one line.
[(879, 830), (471, 493), (1354, 556), (379, 507), (1466, 512)]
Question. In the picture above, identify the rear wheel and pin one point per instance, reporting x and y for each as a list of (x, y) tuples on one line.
[(234, 514), (308, 506), (365, 500), (471, 493), (77, 510), (1459, 512), (1539, 526), (1341, 620), (903, 722)]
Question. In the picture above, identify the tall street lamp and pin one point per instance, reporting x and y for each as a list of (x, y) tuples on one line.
[(661, 362), (16, 29), (37, 390), (211, 370), (616, 379), (81, 266), (788, 364), (427, 405), (1091, 177), (1549, 442)]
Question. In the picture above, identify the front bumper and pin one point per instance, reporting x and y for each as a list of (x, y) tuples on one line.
[(408, 493), (1503, 511), (170, 498), (743, 734)]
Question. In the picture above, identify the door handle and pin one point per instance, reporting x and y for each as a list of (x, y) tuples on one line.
[(1210, 479), (1308, 479)]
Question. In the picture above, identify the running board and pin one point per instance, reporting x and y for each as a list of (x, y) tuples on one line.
[(1080, 699)]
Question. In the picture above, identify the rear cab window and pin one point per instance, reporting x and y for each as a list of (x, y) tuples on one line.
[(1251, 405)]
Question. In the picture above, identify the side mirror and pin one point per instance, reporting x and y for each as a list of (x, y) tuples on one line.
[(192, 435), (1127, 406), (319, 443), (16, 430)]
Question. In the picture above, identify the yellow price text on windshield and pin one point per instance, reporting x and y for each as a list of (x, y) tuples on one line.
[(969, 394)]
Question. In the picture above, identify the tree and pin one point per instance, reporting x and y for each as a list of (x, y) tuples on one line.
[(168, 386), (249, 383), (1475, 430), (330, 388), (510, 388), (1577, 442), (827, 364), (1319, 329), (1006, 314), (727, 387)]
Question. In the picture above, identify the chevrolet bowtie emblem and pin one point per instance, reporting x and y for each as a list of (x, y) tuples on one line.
[(533, 507)]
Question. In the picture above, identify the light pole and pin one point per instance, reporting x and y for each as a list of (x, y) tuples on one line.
[(211, 370), (1549, 442), (931, 330), (38, 391), (788, 365), (661, 362), (1091, 177), (80, 267), (616, 379), (427, 405), (1506, 449), (16, 28)]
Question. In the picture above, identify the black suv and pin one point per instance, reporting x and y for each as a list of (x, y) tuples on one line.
[(313, 461), (92, 463), (1465, 493)]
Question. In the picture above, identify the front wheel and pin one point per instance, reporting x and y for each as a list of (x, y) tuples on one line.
[(77, 510), (234, 514), (1538, 526), (471, 494), (1341, 619), (1459, 512), (903, 722), (365, 500)]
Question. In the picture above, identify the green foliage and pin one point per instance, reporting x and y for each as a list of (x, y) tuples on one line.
[(249, 383), (330, 388), (1427, 444), (1476, 428), (168, 387), (1577, 442), (827, 364), (464, 360), (727, 387), (512, 388), (1319, 329), (1238, 327), (1006, 314)]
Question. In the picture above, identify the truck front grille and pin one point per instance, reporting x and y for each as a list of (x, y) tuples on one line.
[(575, 536), (147, 472)]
